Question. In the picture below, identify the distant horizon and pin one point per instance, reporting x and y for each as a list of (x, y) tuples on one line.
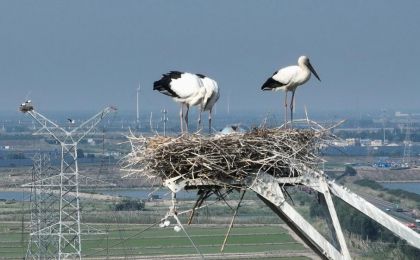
[(219, 108), (174, 112), (87, 54)]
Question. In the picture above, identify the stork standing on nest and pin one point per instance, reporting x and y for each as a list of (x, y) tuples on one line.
[(210, 97), (288, 79), (185, 88)]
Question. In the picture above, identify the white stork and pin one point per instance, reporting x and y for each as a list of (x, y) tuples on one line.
[(210, 97), (185, 88), (289, 78)]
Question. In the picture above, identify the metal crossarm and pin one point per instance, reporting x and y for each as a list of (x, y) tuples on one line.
[(48, 127), (81, 131)]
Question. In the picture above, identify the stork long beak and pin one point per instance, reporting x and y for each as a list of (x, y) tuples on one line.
[(313, 71)]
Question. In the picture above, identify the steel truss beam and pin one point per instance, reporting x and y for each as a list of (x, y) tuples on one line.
[(269, 190)]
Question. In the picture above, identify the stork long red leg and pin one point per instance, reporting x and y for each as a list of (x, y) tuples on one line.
[(199, 120), (285, 109), (291, 108), (210, 116), (181, 117), (186, 118)]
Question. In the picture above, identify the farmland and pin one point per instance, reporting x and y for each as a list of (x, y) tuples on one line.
[(129, 240)]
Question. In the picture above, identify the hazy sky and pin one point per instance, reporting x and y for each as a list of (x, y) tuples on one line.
[(84, 55)]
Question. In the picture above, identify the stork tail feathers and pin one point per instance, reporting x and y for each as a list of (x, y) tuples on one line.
[(164, 84), (271, 84)]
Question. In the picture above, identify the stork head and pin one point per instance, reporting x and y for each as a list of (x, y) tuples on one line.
[(303, 61)]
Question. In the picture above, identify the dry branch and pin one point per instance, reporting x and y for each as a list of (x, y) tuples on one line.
[(223, 158)]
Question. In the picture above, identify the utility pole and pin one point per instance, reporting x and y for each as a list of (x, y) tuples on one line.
[(383, 119), (137, 108), (164, 120), (228, 104), (407, 145)]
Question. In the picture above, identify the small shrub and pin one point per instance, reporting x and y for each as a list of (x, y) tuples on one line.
[(129, 205), (350, 171)]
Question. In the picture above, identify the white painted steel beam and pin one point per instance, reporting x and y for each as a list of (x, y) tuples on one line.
[(395, 226), (269, 190), (336, 223), (267, 187)]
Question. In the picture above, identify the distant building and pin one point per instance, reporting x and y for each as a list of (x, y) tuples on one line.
[(353, 141), (365, 142), (399, 114), (340, 143), (376, 143)]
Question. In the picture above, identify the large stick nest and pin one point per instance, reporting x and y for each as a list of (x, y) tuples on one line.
[(235, 157)]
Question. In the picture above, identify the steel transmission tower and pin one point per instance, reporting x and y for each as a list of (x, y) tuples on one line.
[(66, 226), (44, 211)]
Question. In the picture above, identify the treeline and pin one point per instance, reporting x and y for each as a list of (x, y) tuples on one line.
[(369, 183), (357, 223), (396, 192)]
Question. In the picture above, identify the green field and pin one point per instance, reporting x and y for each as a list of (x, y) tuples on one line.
[(125, 237), (133, 240)]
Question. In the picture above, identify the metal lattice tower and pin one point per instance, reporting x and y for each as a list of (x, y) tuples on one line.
[(44, 211), (66, 227)]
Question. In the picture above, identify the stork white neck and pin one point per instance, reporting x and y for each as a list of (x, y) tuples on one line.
[(303, 62)]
